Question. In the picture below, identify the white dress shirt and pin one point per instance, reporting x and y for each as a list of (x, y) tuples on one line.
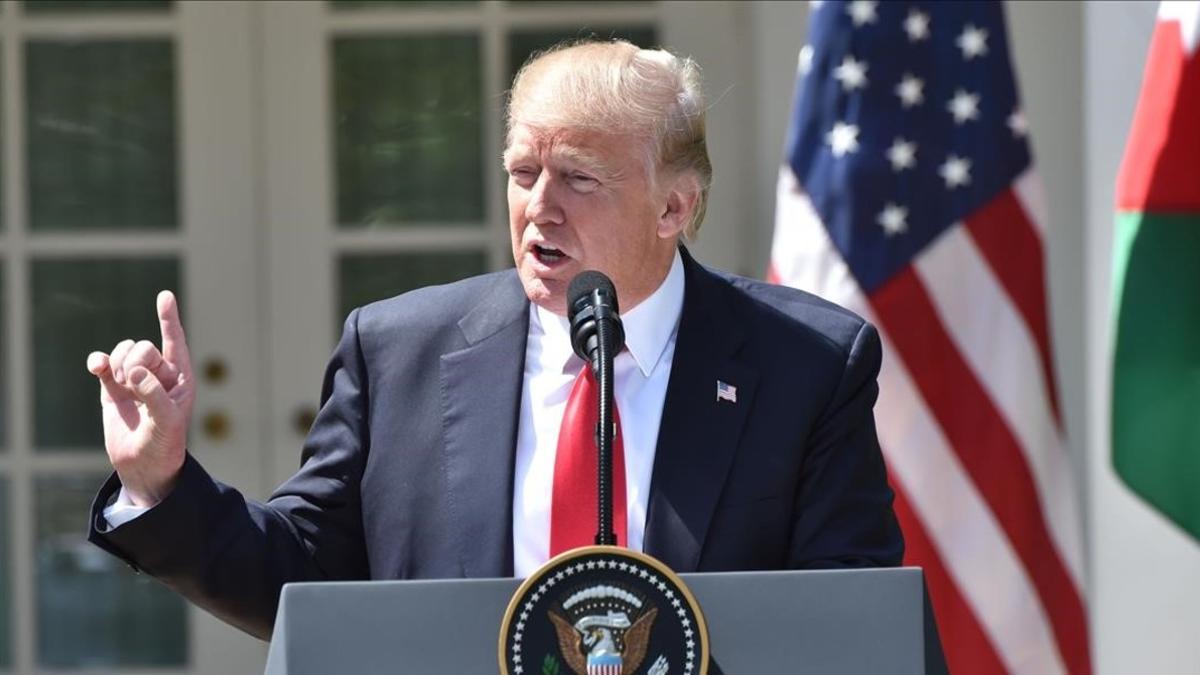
[(640, 388)]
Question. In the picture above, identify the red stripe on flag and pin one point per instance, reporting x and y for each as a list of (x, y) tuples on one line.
[(1006, 238), (988, 450), (967, 647)]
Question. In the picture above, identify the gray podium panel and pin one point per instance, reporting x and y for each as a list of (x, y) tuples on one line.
[(827, 622)]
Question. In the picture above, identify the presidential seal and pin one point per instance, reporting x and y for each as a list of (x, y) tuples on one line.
[(603, 610)]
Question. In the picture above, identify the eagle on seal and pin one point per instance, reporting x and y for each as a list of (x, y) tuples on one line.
[(590, 645)]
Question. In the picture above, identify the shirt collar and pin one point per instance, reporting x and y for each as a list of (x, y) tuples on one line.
[(649, 327)]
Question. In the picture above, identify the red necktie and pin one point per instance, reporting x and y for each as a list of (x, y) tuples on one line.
[(574, 507)]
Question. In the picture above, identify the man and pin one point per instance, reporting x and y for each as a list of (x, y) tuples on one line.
[(748, 436)]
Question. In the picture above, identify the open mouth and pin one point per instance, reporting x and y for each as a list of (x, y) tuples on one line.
[(548, 254)]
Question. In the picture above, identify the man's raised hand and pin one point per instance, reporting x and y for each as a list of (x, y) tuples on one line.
[(146, 397)]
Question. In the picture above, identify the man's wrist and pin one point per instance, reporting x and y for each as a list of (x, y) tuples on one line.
[(147, 493)]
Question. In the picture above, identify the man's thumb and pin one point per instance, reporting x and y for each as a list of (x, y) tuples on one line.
[(150, 391)]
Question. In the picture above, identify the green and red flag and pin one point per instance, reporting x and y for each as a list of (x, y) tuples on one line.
[(1156, 278)]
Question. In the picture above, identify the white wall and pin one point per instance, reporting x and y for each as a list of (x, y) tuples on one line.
[(779, 30), (1045, 39), (1079, 69), (713, 34)]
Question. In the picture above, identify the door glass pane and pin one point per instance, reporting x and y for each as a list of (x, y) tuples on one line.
[(49, 6), (80, 306), (366, 278), (408, 130), (100, 125), (5, 603), (522, 44), (92, 610)]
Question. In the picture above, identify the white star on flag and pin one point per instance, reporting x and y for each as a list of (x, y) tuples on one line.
[(843, 139), (916, 24), (852, 74), (893, 218), (956, 171), (862, 12), (973, 42), (902, 154), (910, 90), (964, 106), (1018, 124), (806, 56)]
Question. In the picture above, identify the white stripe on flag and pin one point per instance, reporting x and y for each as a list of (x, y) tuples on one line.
[(995, 341), (805, 265), (977, 554), (973, 547), (1029, 192)]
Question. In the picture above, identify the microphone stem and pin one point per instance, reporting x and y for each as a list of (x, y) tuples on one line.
[(604, 435)]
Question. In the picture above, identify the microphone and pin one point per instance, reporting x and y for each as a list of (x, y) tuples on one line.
[(593, 312), (597, 336)]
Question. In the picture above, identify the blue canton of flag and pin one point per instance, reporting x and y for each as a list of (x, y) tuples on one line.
[(902, 126)]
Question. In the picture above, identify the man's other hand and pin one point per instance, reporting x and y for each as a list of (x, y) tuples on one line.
[(146, 397)]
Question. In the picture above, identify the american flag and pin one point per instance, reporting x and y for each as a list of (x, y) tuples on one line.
[(908, 195)]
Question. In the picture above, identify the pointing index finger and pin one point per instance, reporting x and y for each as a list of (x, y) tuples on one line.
[(174, 342)]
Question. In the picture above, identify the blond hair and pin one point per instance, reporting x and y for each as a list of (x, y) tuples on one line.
[(616, 87)]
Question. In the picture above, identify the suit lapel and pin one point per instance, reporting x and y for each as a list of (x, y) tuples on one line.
[(699, 434), (481, 395)]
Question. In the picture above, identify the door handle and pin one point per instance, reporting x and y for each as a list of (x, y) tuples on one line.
[(216, 425)]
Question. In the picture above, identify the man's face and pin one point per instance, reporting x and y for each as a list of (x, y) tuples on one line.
[(580, 200)]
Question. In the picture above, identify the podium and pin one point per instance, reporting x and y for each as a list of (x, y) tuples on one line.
[(828, 622)]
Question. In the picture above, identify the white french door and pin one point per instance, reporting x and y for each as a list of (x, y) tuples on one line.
[(128, 166)]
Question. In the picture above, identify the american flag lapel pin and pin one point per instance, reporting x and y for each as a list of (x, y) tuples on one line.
[(726, 392)]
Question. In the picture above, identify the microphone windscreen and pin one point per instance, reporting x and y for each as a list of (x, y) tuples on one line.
[(582, 286)]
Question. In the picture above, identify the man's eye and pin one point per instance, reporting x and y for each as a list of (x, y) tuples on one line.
[(582, 181), (523, 174)]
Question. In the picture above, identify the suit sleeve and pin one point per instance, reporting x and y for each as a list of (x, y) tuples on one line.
[(231, 555), (844, 515)]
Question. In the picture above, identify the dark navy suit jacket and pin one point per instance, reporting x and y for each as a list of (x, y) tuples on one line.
[(408, 470)]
